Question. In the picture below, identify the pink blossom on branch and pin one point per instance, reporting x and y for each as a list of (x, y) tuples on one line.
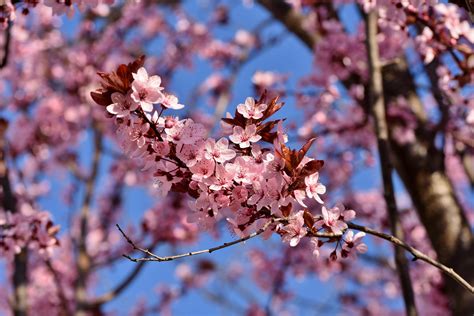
[(146, 90), (246, 182), (314, 188), (250, 110), (243, 137), (123, 104), (353, 242)]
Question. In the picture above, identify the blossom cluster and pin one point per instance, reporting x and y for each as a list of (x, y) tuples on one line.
[(18, 230), (58, 7), (234, 177)]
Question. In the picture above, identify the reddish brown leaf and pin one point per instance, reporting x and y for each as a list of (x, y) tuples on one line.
[(286, 155), (302, 152), (286, 210), (308, 219), (101, 97), (268, 137), (311, 167)]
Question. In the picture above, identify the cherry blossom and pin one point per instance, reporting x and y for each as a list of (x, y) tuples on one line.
[(332, 220), (295, 230), (250, 110), (351, 242), (147, 90), (243, 137), (219, 150), (314, 188), (171, 102), (123, 104)]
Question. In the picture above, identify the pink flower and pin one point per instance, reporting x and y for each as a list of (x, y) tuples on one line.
[(203, 169), (241, 169), (244, 137), (222, 179), (185, 132), (190, 154), (146, 90), (122, 104), (240, 194), (295, 230), (171, 102), (226, 128), (353, 242), (138, 131), (332, 220), (250, 110), (266, 79), (161, 148), (313, 187), (281, 135), (219, 150)]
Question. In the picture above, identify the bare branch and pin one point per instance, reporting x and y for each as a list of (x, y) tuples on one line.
[(152, 257), (416, 254)]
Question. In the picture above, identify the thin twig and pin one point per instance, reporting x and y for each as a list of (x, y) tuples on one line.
[(153, 257), (396, 241), (416, 254)]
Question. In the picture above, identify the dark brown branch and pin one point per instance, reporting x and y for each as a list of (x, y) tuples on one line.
[(377, 106), (6, 47), (19, 302), (293, 20)]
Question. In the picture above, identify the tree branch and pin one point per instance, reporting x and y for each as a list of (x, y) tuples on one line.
[(394, 240), (9, 203), (377, 106), (6, 47), (293, 20), (152, 257), (416, 254)]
